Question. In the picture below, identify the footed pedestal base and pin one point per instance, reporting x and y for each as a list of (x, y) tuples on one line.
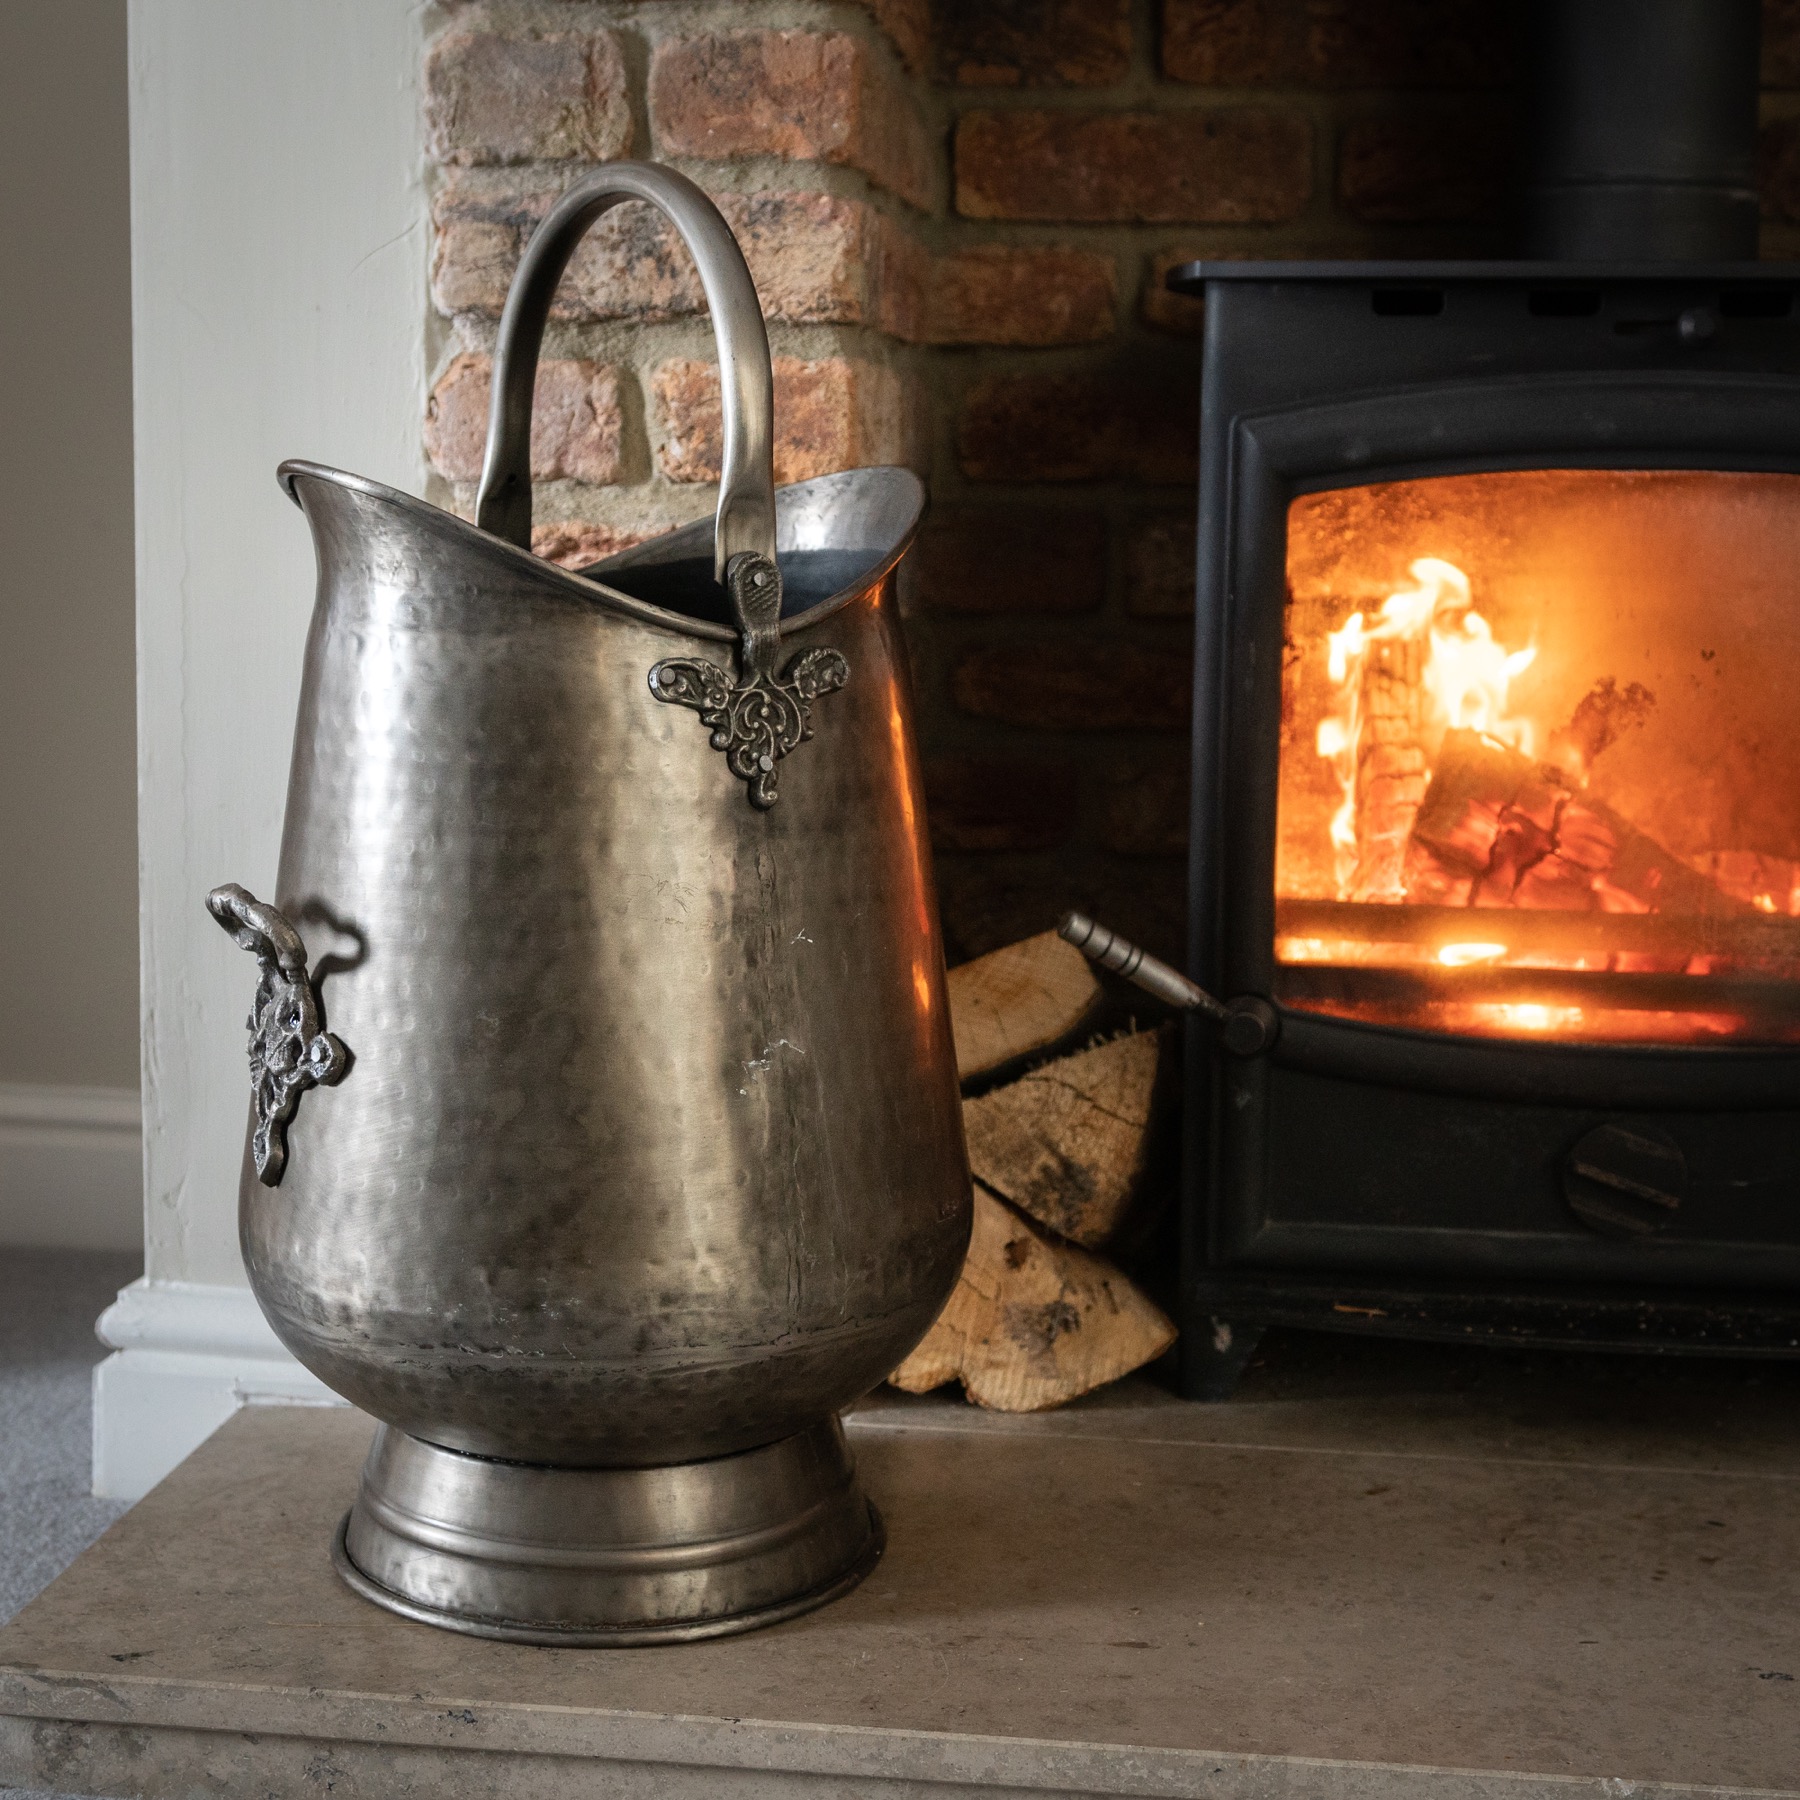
[(607, 1556)]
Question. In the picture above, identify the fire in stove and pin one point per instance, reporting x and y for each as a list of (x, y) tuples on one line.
[(1538, 758)]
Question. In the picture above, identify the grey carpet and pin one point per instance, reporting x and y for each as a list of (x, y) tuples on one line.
[(49, 1300)]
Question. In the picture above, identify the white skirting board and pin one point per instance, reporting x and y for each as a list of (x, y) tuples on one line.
[(187, 1356), (71, 1167)]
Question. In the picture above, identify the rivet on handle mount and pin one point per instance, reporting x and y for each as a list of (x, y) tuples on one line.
[(1247, 1026)]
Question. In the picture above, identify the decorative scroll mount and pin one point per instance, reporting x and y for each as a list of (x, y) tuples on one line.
[(760, 717), (288, 1051)]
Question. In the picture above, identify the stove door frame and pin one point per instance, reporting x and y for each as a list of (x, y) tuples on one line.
[(1624, 420)]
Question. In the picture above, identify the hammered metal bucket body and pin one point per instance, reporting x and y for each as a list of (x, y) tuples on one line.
[(605, 1136), (649, 1147)]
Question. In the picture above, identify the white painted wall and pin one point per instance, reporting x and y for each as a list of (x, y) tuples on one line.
[(279, 308), (69, 1155)]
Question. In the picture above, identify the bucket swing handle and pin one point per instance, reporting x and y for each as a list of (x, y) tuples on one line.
[(746, 516), (758, 715)]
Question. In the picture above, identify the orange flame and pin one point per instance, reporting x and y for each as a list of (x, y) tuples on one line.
[(1466, 677)]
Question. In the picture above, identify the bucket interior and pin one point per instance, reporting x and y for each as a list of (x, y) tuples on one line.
[(832, 535)]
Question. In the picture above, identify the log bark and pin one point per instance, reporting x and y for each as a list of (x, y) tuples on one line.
[(1033, 1322), (1015, 1001), (1067, 1143)]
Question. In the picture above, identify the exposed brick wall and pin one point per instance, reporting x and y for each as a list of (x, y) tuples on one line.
[(959, 214)]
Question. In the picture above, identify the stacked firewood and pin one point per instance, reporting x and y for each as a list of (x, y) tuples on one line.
[(1059, 1156)]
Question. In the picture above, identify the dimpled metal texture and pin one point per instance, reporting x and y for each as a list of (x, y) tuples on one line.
[(650, 1148)]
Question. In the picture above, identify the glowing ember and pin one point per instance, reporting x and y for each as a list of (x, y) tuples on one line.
[(1463, 956), (1527, 1017)]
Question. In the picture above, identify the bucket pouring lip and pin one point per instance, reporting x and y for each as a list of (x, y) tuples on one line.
[(881, 506)]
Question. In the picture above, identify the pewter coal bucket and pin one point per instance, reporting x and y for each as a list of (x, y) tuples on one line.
[(605, 1137)]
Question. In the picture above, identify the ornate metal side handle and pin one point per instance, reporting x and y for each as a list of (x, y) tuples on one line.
[(760, 716), (288, 1051)]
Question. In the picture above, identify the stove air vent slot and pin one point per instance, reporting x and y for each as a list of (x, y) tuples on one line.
[(1563, 303), (1407, 302), (1756, 303)]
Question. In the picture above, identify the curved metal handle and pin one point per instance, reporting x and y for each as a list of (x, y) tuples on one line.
[(746, 516), (289, 1052), (1248, 1026)]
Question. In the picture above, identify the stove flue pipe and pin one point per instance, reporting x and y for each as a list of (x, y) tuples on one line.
[(1643, 131)]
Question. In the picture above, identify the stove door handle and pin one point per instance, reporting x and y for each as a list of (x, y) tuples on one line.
[(1248, 1025)]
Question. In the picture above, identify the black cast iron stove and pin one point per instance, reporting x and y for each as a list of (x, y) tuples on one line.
[(1497, 751)]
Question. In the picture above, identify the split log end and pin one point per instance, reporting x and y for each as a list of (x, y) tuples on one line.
[(1034, 1322), (1019, 1000)]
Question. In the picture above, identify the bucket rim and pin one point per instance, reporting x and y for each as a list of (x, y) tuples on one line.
[(800, 497)]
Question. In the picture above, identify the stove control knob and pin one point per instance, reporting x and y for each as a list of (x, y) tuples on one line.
[(1625, 1181), (1250, 1027), (1696, 325)]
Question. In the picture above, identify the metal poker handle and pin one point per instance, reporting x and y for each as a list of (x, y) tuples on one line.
[(1247, 1027), (746, 515), (1123, 957)]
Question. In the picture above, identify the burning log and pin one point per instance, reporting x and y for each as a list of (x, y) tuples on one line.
[(1034, 1321), (1771, 884), (1426, 661), (1391, 771), (1015, 1002), (1067, 1143), (1497, 829)]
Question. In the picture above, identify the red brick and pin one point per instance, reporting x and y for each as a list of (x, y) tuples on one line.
[(575, 424), (575, 543), (908, 26), (1241, 165), (1159, 565), (495, 98), (815, 258), (808, 96), (1426, 168), (973, 559), (1033, 43), (1225, 43), (999, 294), (1778, 169), (1076, 685), (1182, 314), (836, 413), (1144, 805), (1781, 43), (988, 902), (1092, 427), (472, 263), (993, 803), (1341, 43)]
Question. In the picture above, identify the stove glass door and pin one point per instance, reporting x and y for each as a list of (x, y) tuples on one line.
[(1540, 756)]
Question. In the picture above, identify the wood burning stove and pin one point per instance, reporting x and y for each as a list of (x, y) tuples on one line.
[(1497, 759)]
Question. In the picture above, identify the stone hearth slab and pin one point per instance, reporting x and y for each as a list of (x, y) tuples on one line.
[(1524, 1592)]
